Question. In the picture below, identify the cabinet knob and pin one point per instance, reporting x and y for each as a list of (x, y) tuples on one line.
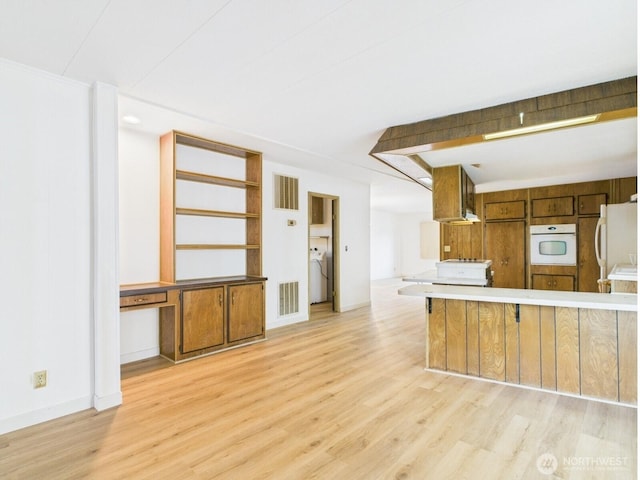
[(220, 299)]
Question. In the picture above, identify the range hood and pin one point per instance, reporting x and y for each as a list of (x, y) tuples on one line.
[(468, 218)]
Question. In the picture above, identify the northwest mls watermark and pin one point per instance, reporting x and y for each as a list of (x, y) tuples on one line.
[(548, 463)]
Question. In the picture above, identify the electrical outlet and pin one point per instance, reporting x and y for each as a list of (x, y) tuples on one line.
[(40, 379)]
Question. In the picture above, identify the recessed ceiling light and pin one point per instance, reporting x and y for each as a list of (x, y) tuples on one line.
[(131, 119)]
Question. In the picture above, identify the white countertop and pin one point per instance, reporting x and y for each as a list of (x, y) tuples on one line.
[(626, 272), (431, 276), (600, 301)]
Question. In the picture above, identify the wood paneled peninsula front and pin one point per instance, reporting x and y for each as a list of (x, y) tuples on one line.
[(575, 343)]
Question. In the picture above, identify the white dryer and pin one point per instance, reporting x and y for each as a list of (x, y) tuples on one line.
[(318, 275)]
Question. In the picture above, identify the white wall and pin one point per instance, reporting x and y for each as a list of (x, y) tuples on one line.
[(139, 186), (412, 262), (45, 240), (396, 244), (285, 254), (386, 241)]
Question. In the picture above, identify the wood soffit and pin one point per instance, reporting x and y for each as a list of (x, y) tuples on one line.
[(615, 99)]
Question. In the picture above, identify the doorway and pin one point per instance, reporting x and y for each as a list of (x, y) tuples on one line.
[(323, 253)]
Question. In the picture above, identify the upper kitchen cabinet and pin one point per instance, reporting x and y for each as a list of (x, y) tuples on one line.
[(552, 207), (590, 204), (453, 194), (623, 188), (210, 209)]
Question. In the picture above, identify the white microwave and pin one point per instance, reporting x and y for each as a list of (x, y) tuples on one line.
[(553, 244)]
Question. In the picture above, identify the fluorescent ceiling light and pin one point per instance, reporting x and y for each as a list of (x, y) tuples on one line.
[(426, 180), (542, 127)]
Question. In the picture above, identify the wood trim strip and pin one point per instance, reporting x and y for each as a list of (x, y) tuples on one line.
[(614, 99)]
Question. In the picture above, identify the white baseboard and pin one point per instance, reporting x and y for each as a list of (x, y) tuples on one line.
[(43, 415), (139, 355), (346, 308), (108, 401)]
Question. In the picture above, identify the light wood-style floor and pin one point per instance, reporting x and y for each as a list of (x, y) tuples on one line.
[(344, 396)]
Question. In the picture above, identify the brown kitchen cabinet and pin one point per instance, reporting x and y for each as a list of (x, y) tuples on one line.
[(590, 204), (623, 188), (505, 246), (552, 207), (588, 268), (553, 282), (246, 311), (202, 322), (514, 210), (453, 194)]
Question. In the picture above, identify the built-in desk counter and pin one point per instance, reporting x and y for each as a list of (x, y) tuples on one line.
[(203, 316), (570, 342)]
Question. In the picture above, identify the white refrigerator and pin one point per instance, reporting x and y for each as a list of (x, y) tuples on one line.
[(616, 236)]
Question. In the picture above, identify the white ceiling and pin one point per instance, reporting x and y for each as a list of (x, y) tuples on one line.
[(315, 83)]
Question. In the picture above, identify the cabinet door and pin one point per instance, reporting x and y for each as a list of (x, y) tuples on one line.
[(470, 196), (564, 283), (202, 318), (553, 282), (552, 207), (505, 247), (246, 311), (447, 193), (588, 269), (504, 210), (590, 204), (542, 282)]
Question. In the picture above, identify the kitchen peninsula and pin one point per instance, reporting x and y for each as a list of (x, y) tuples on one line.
[(576, 343)]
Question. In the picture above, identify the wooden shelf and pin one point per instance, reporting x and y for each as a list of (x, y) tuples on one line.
[(212, 179), (215, 246), (210, 167), (215, 213), (206, 144)]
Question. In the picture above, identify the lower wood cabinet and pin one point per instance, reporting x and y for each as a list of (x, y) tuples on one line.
[(246, 311), (553, 282), (199, 317), (219, 317), (202, 323), (580, 351)]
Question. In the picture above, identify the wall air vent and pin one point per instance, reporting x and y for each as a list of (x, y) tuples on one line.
[(288, 298), (285, 191)]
